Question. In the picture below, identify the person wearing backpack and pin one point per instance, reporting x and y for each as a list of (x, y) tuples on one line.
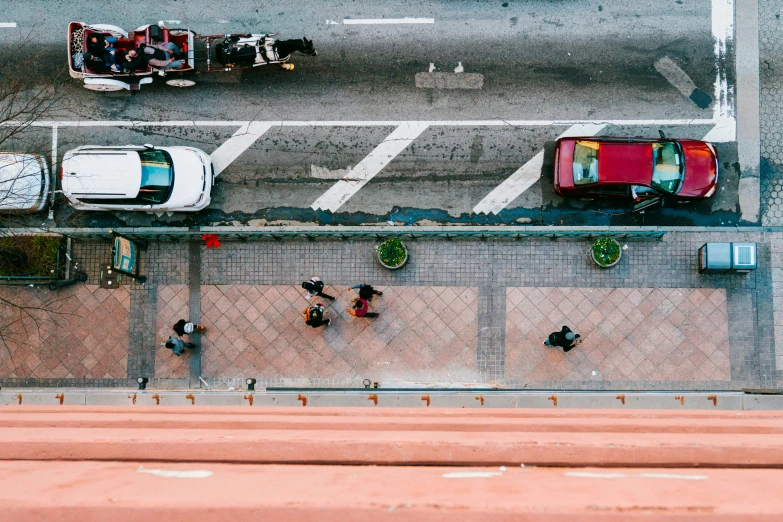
[(315, 287), (314, 316)]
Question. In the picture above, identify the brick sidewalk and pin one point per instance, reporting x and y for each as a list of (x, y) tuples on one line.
[(460, 313)]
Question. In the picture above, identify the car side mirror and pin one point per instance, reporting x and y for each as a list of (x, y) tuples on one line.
[(663, 136)]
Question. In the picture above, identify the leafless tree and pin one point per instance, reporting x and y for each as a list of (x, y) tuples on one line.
[(30, 91)]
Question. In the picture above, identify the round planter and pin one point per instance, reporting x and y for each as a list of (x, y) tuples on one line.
[(592, 254), (404, 261)]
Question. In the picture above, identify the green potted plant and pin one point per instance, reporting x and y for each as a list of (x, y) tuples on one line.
[(606, 252), (392, 253)]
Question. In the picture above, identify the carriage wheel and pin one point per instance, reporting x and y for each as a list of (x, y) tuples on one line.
[(180, 83), (103, 87)]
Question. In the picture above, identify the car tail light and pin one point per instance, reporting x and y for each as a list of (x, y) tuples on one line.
[(62, 173)]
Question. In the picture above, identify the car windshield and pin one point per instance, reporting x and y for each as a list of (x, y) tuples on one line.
[(585, 163), (667, 167), (157, 177)]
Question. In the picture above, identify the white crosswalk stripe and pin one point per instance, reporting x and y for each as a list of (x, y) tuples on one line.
[(527, 175), (238, 143), (369, 167)]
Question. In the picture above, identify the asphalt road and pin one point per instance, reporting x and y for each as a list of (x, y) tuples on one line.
[(590, 61)]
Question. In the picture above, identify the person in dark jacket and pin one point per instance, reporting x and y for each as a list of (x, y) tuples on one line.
[(366, 291), (100, 46), (183, 327), (315, 287), (134, 61), (565, 338), (96, 64)]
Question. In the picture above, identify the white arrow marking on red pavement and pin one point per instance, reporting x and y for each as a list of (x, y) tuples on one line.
[(527, 175), (242, 140), (362, 173)]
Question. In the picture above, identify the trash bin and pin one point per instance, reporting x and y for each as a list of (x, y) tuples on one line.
[(722, 258)]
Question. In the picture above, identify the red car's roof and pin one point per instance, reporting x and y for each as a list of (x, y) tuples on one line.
[(625, 163)]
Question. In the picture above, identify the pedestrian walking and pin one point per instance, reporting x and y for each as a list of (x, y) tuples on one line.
[(315, 287), (177, 345), (366, 291), (565, 338), (314, 316), (183, 327), (361, 308)]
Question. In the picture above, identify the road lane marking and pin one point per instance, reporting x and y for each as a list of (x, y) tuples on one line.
[(237, 144), (724, 131), (8, 24), (369, 167), (379, 21), (722, 33), (444, 80), (357, 123), (682, 82), (526, 176)]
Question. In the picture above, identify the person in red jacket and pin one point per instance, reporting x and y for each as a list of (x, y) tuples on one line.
[(361, 308)]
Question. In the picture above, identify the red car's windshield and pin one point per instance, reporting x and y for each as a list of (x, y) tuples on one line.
[(668, 167)]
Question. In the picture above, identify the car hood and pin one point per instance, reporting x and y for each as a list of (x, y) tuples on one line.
[(21, 181), (701, 169), (189, 177)]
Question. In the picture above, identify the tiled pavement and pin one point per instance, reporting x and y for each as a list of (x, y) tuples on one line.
[(80, 332), (258, 331), (172, 306), (459, 312), (629, 334)]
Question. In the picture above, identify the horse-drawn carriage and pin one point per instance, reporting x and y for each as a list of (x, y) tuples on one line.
[(198, 54)]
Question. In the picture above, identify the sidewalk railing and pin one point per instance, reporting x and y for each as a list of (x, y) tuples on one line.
[(363, 233)]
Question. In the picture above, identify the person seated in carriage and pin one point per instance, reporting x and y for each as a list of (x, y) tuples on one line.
[(100, 46), (97, 64), (161, 56)]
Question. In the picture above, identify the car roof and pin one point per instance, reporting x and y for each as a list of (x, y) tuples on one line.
[(625, 162), (102, 173), (20, 180)]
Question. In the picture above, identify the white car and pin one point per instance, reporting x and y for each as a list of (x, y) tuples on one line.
[(147, 178), (24, 182)]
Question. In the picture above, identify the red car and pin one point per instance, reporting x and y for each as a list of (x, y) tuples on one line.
[(638, 168)]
